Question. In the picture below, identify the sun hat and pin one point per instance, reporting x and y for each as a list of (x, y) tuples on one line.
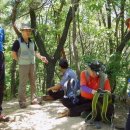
[(25, 26)]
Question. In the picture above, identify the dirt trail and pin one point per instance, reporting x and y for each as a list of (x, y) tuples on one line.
[(43, 117)]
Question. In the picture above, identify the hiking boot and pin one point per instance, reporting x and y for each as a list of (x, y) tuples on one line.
[(34, 101), (98, 124), (40, 100), (22, 105), (64, 114), (4, 118)]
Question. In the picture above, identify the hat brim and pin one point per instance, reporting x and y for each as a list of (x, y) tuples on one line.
[(26, 29)]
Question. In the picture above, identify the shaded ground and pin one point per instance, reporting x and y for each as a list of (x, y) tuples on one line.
[(44, 117)]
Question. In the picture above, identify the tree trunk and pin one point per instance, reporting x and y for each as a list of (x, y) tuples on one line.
[(13, 79), (74, 47), (50, 67), (109, 25)]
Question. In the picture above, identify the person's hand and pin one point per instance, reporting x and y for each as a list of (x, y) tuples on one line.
[(44, 59), (49, 89), (107, 91), (94, 91)]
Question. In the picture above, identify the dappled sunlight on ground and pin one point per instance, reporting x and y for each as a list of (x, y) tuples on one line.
[(38, 117), (43, 117)]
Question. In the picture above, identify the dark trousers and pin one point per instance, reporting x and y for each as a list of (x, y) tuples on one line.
[(128, 122), (2, 79), (56, 95), (77, 109)]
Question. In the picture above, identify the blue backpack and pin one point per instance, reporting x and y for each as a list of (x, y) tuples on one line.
[(72, 90)]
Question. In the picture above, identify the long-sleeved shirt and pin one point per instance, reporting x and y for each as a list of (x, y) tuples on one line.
[(91, 83)]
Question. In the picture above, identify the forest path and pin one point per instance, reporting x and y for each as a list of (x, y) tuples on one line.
[(44, 117)]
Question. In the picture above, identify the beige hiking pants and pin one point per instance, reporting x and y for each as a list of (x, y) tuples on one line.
[(26, 72)]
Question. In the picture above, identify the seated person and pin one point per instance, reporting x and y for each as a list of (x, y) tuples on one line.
[(57, 91), (89, 85), (64, 90), (91, 81)]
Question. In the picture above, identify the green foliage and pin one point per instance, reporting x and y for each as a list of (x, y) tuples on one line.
[(94, 36), (128, 43)]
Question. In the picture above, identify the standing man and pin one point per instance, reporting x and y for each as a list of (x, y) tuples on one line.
[(24, 51), (2, 73)]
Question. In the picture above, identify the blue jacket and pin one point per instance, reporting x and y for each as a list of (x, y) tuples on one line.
[(2, 38)]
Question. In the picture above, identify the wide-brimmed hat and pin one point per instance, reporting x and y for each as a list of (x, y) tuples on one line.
[(25, 26)]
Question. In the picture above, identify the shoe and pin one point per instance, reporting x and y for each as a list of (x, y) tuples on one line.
[(34, 101), (4, 118), (40, 101), (22, 105), (98, 124), (64, 114)]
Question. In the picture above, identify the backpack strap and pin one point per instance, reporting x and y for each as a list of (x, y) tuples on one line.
[(105, 107), (94, 105), (103, 78), (87, 75), (93, 113)]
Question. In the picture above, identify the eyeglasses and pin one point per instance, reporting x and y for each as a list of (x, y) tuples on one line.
[(27, 30)]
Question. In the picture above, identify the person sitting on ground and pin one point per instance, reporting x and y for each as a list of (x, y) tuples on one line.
[(57, 91), (93, 80), (66, 90), (89, 85)]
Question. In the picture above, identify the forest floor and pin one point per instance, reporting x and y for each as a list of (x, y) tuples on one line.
[(44, 117)]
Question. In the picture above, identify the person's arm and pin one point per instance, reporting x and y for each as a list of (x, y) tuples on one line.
[(87, 89), (15, 49), (83, 84), (42, 58), (14, 55), (55, 88), (16, 30)]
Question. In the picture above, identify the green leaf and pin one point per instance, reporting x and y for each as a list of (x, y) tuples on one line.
[(128, 43)]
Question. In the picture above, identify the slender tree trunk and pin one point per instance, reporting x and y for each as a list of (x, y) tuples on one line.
[(122, 19), (74, 47), (50, 67), (13, 79), (109, 24)]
